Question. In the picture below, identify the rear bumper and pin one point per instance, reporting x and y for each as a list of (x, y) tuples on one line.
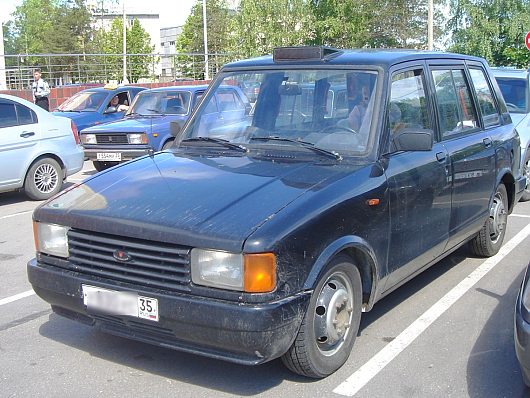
[(236, 332), (127, 152), (73, 161)]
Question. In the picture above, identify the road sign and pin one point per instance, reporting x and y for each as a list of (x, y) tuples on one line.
[(527, 40)]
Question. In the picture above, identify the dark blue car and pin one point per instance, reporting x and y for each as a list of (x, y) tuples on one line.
[(267, 236), (93, 106), (147, 125)]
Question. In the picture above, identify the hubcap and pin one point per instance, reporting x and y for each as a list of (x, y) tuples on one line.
[(526, 172), (333, 314), (498, 218), (46, 178)]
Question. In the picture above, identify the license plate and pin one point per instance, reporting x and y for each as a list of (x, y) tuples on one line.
[(120, 303), (109, 156)]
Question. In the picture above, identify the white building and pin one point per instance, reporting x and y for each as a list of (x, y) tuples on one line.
[(168, 37)]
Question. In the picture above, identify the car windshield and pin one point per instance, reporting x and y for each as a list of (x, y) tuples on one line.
[(515, 92), (84, 101), (327, 109), (161, 103)]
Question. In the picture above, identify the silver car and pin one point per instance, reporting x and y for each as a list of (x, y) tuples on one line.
[(515, 89), (37, 149)]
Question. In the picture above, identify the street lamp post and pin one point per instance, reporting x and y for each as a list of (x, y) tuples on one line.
[(205, 34), (125, 81), (430, 26)]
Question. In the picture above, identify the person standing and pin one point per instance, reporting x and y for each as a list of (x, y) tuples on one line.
[(41, 90)]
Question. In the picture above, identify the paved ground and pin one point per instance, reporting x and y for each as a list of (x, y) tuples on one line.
[(447, 333)]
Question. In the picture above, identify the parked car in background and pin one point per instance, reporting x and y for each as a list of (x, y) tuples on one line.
[(93, 106), (38, 150), (270, 237), (515, 88), (522, 327), (147, 125)]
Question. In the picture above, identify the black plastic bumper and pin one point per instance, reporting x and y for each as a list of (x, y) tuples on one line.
[(240, 333)]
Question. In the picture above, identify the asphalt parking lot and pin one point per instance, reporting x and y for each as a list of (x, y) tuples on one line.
[(447, 333)]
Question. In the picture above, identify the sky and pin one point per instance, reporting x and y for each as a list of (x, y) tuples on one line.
[(172, 12)]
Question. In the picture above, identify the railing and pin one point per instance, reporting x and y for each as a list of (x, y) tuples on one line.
[(69, 69)]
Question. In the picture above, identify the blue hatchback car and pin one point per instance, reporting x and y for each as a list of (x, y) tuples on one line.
[(147, 125), (93, 106)]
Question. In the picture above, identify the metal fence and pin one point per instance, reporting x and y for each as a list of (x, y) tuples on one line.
[(68, 69)]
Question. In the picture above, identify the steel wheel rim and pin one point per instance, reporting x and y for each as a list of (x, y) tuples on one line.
[(46, 178), (498, 218), (333, 314), (526, 173)]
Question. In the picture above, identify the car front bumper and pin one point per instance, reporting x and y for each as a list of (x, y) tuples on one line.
[(236, 332), (522, 334)]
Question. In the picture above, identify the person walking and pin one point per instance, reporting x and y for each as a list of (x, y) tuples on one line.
[(41, 90)]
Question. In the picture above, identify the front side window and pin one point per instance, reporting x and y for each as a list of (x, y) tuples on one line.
[(486, 102), (8, 114), (408, 105), (456, 113), (161, 103), (292, 106)]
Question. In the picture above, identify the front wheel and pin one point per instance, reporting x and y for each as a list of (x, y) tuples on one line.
[(330, 325), (526, 173), (44, 179), (489, 239)]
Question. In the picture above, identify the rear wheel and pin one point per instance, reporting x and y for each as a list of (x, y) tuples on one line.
[(330, 325), (100, 166), (526, 172), (44, 179), (489, 240)]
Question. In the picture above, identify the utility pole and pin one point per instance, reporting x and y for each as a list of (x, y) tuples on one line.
[(430, 26), (124, 81), (205, 33), (3, 82)]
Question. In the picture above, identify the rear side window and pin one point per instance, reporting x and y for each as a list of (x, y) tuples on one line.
[(25, 115), (490, 115), (456, 113), (408, 105), (8, 114)]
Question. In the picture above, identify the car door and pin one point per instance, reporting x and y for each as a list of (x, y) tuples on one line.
[(19, 135), (419, 185), (470, 148)]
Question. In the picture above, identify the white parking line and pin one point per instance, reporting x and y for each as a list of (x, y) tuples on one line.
[(16, 214), (16, 297), (520, 215), (371, 368)]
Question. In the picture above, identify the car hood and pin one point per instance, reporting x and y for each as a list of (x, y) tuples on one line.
[(82, 120), (137, 124), (205, 201)]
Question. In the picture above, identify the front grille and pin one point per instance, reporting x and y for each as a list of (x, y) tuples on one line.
[(111, 139), (154, 264)]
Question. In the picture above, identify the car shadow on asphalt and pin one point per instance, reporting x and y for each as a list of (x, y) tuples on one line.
[(413, 286), (9, 198), (492, 367), (175, 365)]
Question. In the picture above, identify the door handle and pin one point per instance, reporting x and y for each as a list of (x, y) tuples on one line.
[(440, 156), (487, 142), (27, 134)]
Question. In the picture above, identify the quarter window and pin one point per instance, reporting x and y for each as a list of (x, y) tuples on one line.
[(455, 110), (490, 115)]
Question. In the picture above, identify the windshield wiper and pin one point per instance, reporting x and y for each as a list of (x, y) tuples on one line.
[(218, 141), (68, 110), (303, 144)]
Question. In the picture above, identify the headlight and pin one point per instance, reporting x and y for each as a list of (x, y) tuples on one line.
[(51, 239), (137, 138), (252, 273), (88, 139)]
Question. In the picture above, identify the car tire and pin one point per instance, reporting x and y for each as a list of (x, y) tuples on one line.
[(100, 166), (44, 179), (526, 172), (489, 239), (330, 325), (167, 144)]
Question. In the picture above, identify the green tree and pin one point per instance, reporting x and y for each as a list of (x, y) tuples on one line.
[(493, 29), (191, 41)]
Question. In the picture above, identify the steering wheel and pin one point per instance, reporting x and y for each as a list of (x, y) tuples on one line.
[(338, 127), (510, 105)]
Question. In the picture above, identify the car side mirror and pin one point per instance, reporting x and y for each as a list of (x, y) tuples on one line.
[(414, 140), (174, 128), (111, 109)]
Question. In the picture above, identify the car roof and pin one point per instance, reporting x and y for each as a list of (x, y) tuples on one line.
[(180, 88), (114, 90), (510, 72), (377, 57)]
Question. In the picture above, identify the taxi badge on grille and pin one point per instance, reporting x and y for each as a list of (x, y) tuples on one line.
[(121, 255)]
